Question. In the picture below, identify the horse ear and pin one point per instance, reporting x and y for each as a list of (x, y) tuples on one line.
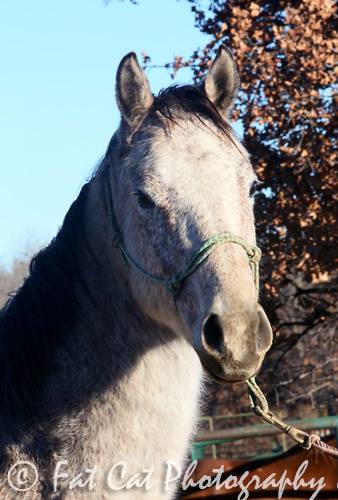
[(133, 94), (222, 81)]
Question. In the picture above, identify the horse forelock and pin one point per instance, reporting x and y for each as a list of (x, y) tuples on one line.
[(172, 106), (187, 101)]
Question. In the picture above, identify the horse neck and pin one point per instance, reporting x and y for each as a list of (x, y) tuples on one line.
[(111, 334), (111, 370), (126, 361), (132, 404)]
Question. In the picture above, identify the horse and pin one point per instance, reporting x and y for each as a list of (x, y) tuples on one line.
[(146, 287)]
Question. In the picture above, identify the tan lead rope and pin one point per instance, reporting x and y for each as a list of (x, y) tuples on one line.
[(260, 407)]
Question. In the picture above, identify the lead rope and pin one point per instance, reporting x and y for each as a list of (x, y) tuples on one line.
[(260, 407)]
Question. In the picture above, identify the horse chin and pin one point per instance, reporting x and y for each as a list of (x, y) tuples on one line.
[(228, 378)]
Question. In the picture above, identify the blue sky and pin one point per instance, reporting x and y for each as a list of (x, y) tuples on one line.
[(57, 105)]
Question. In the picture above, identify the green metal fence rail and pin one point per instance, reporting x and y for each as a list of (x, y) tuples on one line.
[(214, 437)]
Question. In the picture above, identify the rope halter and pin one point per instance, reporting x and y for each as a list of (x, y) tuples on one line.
[(174, 283)]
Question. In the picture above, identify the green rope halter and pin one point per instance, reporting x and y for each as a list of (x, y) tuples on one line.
[(174, 283)]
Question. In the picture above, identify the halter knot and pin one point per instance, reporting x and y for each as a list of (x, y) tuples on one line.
[(254, 254)]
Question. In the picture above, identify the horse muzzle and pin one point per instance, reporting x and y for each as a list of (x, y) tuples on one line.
[(232, 349)]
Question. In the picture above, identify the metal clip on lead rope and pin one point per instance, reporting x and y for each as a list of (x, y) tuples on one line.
[(260, 407)]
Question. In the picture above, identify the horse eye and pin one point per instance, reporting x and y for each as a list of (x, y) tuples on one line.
[(144, 201)]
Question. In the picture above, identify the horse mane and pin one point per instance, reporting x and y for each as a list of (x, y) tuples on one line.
[(35, 318)]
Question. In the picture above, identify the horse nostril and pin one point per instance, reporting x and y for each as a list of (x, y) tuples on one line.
[(213, 333)]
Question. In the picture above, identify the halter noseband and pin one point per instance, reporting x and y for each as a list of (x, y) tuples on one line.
[(174, 283)]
